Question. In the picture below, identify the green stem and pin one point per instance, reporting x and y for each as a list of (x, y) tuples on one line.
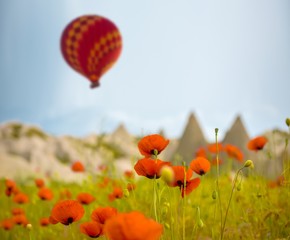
[(184, 203), (233, 188), (217, 179)]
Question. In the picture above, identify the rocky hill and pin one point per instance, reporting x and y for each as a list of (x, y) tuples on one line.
[(28, 151)]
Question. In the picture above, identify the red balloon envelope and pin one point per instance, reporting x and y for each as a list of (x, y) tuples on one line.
[(91, 45)]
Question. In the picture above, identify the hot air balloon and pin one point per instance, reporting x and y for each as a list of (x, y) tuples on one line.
[(91, 45)]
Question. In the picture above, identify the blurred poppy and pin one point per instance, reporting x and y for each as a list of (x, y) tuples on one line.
[(10, 187), (200, 165), (52, 220), (201, 152), (152, 145), (20, 219), (234, 152), (133, 225), (78, 167), (214, 162), (85, 198), (131, 186), (45, 194), (17, 211), (7, 224), (257, 143), (44, 222), (212, 148), (102, 214), (180, 174), (129, 174), (92, 229), (65, 194), (116, 194), (39, 182), (67, 212), (21, 198), (150, 168), (105, 182)]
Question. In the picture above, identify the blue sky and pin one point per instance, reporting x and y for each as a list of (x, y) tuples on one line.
[(214, 58)]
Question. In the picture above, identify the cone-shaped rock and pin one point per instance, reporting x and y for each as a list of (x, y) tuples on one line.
[(238, 136), (121, 134), (191, 140)]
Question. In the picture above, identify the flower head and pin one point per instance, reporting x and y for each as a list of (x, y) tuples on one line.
[(91, 229), (187, 186), (152, 145), (67, 212), (44, 222), (133, 225), (78, 167), (39, 182), (116, 194), (45, 194), (234, 152), (150, 168), (7, 224), (21, 198), (257, 143), (85, 198), (102, 214), (200, 165)]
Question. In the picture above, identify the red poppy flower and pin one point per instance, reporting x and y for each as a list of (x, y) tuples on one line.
[(129, 174), (52, 220), (117, 193), (200, 165), (67, 211), (10, 187), (39, 182), (20, 220), (234, 152), (179, 176), (7, 224), (17, 211), (65, 194), (133, 225), (21, 198), (152, 144), (257, 143), (150, 168), (78, 167), (85, 198), (44, 222), (201, 152), (214, 162), (105, 182), (45, 194), (212, 147), (102, 214), (131, 186), (92, 229)]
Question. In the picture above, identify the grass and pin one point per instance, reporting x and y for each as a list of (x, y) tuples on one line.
[(251, 215)]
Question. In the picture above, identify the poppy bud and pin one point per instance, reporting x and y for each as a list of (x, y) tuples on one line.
[(29, 226), (288, 122), (167, 204), (249, 163), (214, 194), (239, 187), (200, 223), (167, 174), (167, 225), (216, 130), (126, 192)]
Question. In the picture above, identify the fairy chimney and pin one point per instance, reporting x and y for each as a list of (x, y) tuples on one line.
[(238, 136), (191, 140)]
